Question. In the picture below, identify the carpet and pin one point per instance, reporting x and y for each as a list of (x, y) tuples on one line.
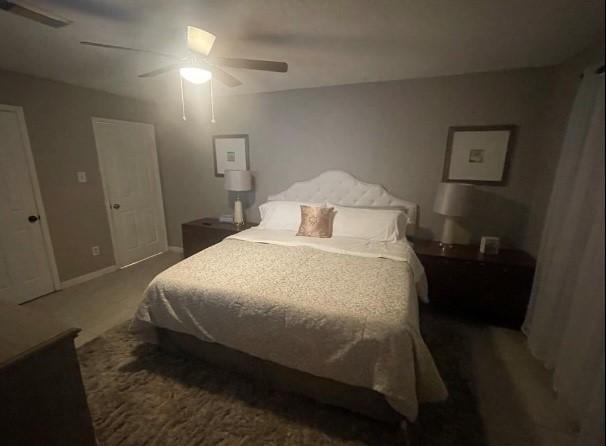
[(139, 395)]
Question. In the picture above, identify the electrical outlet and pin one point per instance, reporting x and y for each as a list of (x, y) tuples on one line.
[(96, 250), (81, 177)]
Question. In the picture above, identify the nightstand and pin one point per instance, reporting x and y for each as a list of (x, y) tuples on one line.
[(491, 288), (205, 232)]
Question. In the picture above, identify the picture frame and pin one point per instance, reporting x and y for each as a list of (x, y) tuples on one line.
[(479, 154), (230, 152)]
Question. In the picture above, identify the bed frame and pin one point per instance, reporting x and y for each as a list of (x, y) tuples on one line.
[(340, 188), (327, 391)]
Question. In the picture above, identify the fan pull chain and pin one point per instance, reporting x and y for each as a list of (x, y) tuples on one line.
[(212, 103), (182, 99)]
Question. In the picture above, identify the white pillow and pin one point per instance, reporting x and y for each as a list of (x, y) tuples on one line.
[(378, 225), (284, 215)]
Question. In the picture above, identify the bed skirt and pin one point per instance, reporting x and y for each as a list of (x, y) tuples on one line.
[(355, 399)]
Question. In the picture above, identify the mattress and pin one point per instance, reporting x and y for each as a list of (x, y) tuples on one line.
[(341, 309)]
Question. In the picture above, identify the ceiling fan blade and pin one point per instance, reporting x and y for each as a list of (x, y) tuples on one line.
[(251, 64), (199, 40), (34, 14), (161, 70), (224, 78), (125, 48)]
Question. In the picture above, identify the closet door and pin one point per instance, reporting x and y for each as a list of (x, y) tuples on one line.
[(131, 180), (26, 263)]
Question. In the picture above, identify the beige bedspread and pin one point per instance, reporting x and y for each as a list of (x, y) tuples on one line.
[(347, 317)]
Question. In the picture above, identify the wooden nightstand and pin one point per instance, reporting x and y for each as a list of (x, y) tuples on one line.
[(492, 288), (200, 234)]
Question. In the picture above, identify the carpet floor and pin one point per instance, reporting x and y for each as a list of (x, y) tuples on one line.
[(139, 395)]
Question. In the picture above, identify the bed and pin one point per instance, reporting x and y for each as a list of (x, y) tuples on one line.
[(335, 319)]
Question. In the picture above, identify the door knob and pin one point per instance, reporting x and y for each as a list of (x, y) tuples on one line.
[(116, 206), (33, 218)]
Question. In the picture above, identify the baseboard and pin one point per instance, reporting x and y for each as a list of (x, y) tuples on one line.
[(89, 276), (175, 249)]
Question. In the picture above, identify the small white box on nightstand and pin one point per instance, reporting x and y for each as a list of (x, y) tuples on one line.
[(490, 245)]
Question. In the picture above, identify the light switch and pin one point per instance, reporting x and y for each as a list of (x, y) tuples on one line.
[(82, 177)]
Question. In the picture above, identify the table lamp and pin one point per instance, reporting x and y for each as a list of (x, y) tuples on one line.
[(453, 200), (238, 181)]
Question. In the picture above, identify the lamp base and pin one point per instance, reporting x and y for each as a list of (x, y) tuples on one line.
[(238, 213), (454, 233)]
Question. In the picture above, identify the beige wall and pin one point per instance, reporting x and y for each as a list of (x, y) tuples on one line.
[(393, 133), (58, 118)]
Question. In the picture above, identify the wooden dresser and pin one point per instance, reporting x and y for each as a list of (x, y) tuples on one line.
[(42, 399), (491, 288), (205, 232)]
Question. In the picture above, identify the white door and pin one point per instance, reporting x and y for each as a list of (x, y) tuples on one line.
[(26, 260), (129, 169)]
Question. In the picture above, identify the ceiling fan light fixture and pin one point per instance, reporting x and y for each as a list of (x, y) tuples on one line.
[(195, 75)]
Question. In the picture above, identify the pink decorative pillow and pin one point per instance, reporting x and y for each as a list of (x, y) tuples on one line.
[(316, 221)]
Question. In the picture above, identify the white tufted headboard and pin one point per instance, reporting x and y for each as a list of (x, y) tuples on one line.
[(338, 187)]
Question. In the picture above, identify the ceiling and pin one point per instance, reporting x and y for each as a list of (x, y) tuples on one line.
[(325, 42)]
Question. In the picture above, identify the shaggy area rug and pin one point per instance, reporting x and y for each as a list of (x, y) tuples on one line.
[(139, 395)]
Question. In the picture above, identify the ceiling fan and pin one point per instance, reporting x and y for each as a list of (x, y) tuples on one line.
[(199, 66)]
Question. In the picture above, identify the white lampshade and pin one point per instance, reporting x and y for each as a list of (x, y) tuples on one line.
[(238, 180), (453, 199)]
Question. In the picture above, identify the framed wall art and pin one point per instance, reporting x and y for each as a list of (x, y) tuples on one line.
[(479, 154), (230, 153)]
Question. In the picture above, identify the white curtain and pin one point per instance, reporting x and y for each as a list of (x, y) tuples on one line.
[(565, 319)]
